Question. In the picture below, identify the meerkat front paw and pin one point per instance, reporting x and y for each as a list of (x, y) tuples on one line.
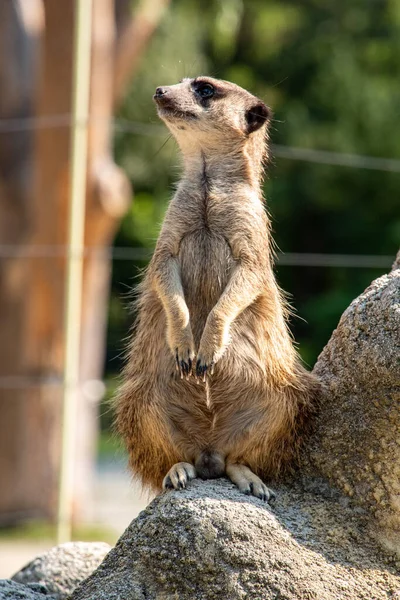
[(249, 483), (182, 346), (178, 476), (213, 344), (205, 364)]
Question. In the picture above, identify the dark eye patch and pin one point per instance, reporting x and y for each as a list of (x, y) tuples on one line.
[(205, 91)]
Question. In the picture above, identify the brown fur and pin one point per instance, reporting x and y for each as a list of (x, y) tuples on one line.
[(210, 296)]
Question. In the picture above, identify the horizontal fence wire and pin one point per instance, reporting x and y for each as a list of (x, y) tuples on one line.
[(13, 382), (126, 253), (93, 389), (358, 161), (340, 159)]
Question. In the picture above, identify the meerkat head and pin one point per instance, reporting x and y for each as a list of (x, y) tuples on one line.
[(212, 115)]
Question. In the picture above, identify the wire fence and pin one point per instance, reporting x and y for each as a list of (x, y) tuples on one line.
[(355, 161), (358, 161), (95, 389), (129, 253)]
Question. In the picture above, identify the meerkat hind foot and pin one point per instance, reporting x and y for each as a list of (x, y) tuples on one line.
[(178, 476), (249, 483)]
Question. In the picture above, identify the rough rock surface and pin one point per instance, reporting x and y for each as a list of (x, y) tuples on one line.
[(10, 590), (396, 264), (212, 542), (61, 569), (318, 541), (356, 444)]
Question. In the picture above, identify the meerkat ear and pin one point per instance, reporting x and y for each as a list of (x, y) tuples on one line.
[(256, 116)]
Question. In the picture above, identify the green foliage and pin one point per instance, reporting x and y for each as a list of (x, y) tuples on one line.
[(330, 72)]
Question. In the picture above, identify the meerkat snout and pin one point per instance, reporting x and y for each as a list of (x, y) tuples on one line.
[(160, 91)]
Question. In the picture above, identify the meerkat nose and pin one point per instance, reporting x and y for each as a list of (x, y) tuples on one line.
[(160, 91)]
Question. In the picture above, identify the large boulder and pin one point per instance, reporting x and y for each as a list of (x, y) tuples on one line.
[(212, 542), (59, 571), (318, 541), (356, 443)]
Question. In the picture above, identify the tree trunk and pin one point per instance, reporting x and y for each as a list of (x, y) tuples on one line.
[(107, 196), (32, 290), (20, 31)]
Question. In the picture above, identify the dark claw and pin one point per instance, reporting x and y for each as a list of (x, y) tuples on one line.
[(184, 367), (168, 483), (200, 369), (272, 497)]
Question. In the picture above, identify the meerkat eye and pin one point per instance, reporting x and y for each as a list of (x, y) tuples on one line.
[(205, 90)]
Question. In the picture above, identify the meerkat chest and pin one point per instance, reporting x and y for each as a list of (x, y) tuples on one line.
[(205, 252), (206, 265), (206, 262)]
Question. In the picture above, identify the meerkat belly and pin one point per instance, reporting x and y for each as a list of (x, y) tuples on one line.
[(206, 265)]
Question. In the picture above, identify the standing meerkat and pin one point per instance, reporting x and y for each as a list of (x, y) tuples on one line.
[(213, 384)]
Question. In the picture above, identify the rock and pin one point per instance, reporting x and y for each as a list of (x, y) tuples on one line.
[(61, 569), (212, 542), (356, 444), (318, 541), (396, 264), (10, 590)]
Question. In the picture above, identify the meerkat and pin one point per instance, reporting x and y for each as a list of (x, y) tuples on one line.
[(213, 385)]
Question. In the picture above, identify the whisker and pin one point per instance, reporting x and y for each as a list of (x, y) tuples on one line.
[(162, 145)]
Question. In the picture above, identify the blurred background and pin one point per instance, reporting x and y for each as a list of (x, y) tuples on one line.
[(329, 70)]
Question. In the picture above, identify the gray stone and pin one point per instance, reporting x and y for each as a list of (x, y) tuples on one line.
[(356, 443), (61, 569), (10, 590), (319, 539), (396, 264), (212, 542)]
